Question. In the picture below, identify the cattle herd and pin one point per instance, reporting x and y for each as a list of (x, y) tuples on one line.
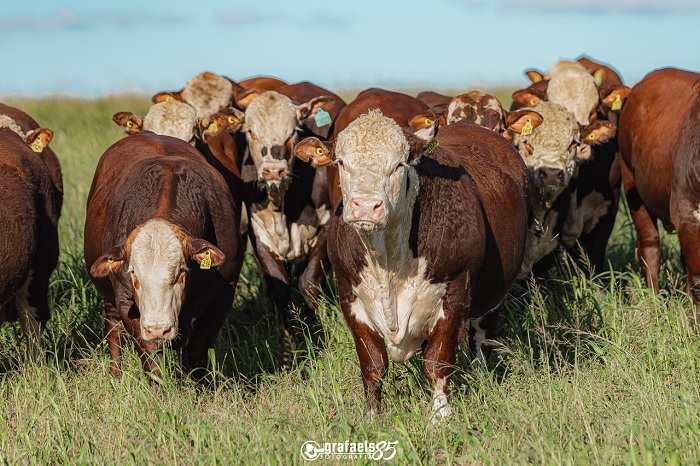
[(427, 209)]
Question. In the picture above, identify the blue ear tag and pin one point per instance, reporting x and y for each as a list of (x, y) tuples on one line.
[(322, 118)]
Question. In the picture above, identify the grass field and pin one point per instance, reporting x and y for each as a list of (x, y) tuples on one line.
[(588, 371)]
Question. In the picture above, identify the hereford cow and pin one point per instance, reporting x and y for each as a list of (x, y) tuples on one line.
[(287, 202), (210, 93), (425, 243), (660, 148), (590, 214), (47, 155), (29, 212), (162, 247), (395, 105)]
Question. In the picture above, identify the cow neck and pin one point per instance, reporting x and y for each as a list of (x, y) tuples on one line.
[(389, 254)]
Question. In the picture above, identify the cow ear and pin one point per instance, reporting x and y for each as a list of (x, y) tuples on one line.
[(614, 97), (244, 97), (132, 124), (167, 97), (109, 262), (426, 119), (212, 125), (534, 75), (234, 119), (599, 76), (529, 97), (696, 86), (523, 121), (598, 132), (204, 253), (422, 141), (39, 138), (315, 151)]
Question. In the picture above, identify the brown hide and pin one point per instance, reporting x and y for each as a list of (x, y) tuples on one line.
[(30, 233), (469, 224), (149, 176), (48, 156), (433, 99), (395, 105), (660, 147)]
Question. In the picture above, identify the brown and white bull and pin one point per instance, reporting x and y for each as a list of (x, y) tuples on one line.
[(288, 203), (660, 148), (163, 248), (29, 245), (426, 242)]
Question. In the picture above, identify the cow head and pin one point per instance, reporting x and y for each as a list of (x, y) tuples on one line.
[(174, 119), (37, 139), (271, 125), (157, 256), (376, 161), (574, 88), (207, 93), (551, 152)]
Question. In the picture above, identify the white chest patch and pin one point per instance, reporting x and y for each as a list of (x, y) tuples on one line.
[(540, 241), (291, 244), (399, 302)]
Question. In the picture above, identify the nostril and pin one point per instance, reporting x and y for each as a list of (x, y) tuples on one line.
[(378, 206), (281, 172), (541, 174), (166, 331)]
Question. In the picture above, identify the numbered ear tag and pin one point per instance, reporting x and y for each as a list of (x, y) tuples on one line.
[(38, 145), (206, 262), (431, 146), (527, 129), (617, 104), (322, 118)]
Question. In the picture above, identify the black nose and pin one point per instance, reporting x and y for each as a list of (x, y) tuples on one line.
[(549, 176)]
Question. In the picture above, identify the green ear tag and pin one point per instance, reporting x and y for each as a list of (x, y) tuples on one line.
[(431, 146), (617, 105), (322, 118), (206, 262), (527, 129)]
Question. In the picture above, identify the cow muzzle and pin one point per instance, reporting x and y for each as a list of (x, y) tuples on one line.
[(366, 213)]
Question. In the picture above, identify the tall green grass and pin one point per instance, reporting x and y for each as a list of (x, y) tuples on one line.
[(586, 370)]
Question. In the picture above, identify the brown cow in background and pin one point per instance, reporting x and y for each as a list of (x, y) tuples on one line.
[(660, 148), (29, 212)]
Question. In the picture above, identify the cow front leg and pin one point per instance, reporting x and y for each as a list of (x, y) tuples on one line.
[(311, 283), (648, 252), (114, 334)]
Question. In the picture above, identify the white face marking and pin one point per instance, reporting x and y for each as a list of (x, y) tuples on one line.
[(372, 153), (155, 263), (174, 119), (208, 93), (270, 123), (574, 89)]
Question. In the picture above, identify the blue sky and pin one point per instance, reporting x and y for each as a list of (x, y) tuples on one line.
[(92, 48)]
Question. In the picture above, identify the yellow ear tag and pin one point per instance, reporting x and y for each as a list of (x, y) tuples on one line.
[(533, 102), (231, 120), (319, 151), (428, 122), (37, 146), (617, 105), (431, 146), (591, 136), (129, 124), (527, 129), (169, 99), (206, 262), (213, 126), (110, 260)]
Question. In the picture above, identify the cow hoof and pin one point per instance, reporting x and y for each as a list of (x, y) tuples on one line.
[(441, 409)]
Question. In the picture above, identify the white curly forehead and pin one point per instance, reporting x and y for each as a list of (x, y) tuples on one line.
[(272, 117), (558, 128), (7, 122), (372, 137), (208, 93), (174, 119)]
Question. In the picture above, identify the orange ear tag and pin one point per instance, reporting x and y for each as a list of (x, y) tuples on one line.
[(527, 129), (617, 105), (38, 145), (206, 262)]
